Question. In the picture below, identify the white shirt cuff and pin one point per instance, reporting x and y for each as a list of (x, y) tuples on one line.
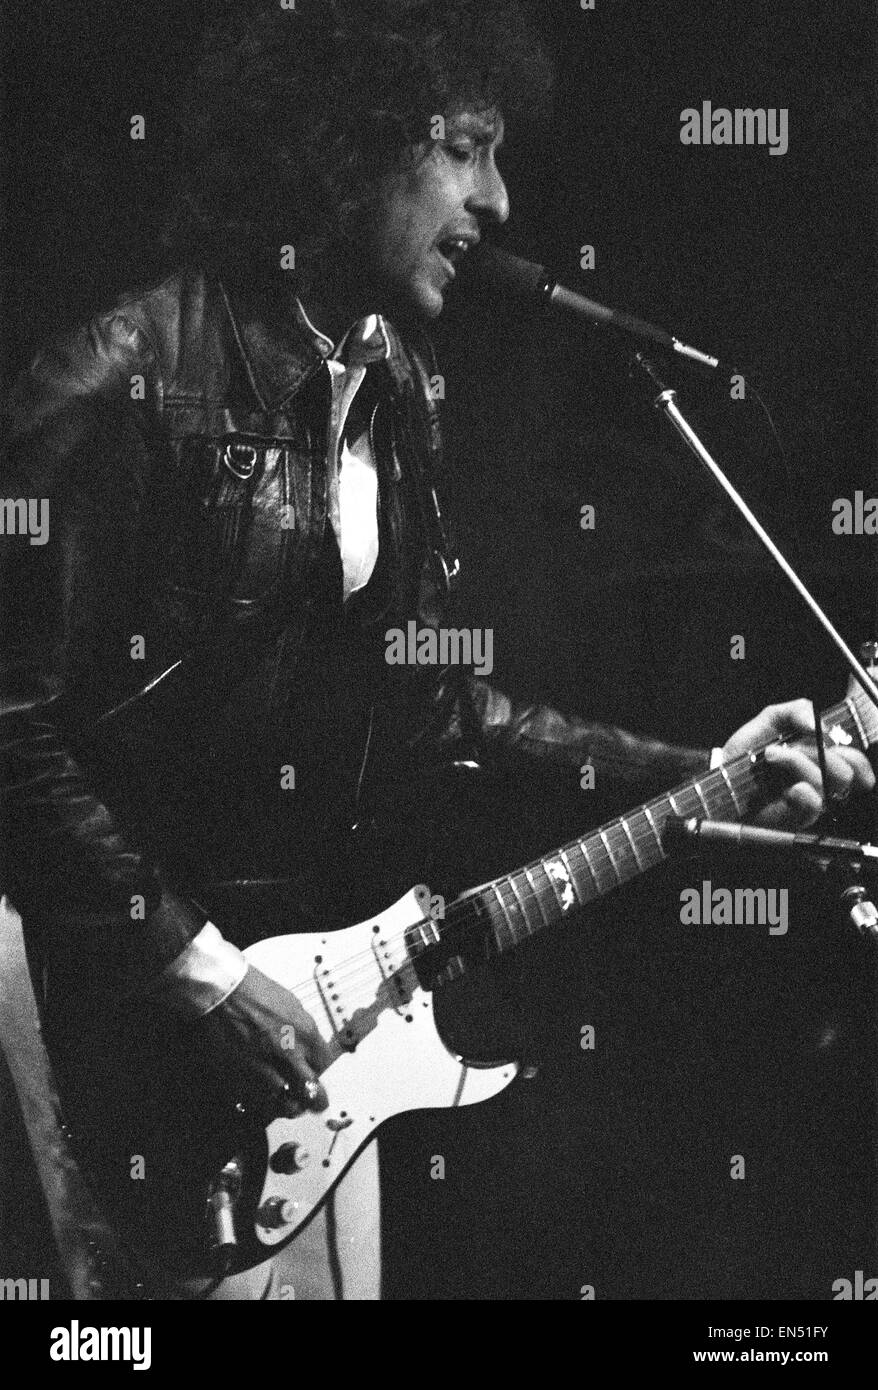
[(202, 976), (716, 758)]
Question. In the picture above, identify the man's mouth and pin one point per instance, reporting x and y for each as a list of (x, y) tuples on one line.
[(452, 250)]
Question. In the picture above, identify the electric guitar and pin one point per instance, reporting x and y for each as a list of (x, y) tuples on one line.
[(370, 989)]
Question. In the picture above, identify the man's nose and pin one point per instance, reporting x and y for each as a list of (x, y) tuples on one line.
[(491, 196)]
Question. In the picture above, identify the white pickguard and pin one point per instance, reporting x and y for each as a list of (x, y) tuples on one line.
[(358, 983)]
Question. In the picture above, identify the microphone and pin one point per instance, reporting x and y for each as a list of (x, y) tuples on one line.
[(729, 834), (522, 279), (835, 857)]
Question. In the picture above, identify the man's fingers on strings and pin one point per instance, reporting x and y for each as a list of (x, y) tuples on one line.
[(846, 770), (786, 764), (800, 803), (793, 717)]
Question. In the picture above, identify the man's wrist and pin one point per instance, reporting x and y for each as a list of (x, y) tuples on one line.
[(205, 973)]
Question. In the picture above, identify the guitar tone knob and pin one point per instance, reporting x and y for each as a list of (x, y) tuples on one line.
[(276, 1212), (289, 1158)]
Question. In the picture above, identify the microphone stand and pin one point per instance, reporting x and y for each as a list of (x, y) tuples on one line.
[(854, 900), (666, 401)]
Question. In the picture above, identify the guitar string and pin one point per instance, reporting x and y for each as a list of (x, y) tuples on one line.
[(363, 963)]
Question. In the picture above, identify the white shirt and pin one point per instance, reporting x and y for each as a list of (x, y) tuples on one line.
[(351, 469)]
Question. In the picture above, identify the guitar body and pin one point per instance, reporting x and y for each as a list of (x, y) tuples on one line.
[(389, 1057), (154, 1140)]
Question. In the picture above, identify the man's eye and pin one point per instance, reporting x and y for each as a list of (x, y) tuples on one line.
[(462, 153)]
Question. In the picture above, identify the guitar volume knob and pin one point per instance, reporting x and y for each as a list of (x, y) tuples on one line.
[(276, 1212), (289, 1158)]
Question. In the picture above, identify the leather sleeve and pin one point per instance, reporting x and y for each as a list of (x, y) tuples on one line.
[(472, 715), (75, 442)]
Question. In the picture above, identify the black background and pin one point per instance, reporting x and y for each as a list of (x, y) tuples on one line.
[(611, 1168)]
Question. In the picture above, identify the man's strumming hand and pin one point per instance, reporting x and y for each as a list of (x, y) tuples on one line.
[(259, 1040)]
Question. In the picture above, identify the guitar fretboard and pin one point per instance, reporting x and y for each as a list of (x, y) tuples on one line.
[(524, 903)]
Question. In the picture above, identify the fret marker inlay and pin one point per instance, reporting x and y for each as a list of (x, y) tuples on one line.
[(558, 872), (566, 862)]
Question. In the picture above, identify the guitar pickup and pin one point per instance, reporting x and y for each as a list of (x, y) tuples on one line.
[(396, 985)]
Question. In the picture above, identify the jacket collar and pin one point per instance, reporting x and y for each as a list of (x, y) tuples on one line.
[(367, 341), (282, 349), (279, 351)]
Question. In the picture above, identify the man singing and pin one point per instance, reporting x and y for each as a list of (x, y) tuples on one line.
[(239, 465)]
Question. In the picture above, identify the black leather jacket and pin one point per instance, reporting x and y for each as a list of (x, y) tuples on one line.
[(179, 440)]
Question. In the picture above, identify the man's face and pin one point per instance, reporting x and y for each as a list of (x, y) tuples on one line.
[(432, 210)]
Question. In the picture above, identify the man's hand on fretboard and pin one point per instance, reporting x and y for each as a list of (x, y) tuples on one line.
[(792, 772)]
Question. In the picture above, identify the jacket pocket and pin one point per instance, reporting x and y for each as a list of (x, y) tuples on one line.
[(237, 522)]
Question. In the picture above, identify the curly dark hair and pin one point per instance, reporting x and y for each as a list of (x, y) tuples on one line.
[(292, 116)]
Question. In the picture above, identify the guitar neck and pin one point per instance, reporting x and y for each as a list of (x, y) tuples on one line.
[(524, 903)]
